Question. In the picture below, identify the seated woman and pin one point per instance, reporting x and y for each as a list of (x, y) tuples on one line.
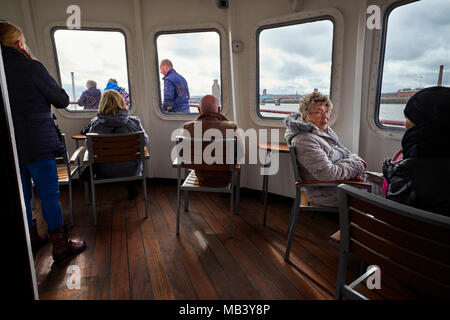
[(419, 175), (113, 117), (319, 153)]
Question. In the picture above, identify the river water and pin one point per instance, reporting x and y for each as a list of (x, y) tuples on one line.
[(387, 111)]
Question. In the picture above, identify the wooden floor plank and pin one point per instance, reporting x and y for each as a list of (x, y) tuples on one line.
[(288, 281), (215, 284), (130, 257), (120, 287), (231, 267), (101, 246), (266, 289), (170, 249), (140, 283), (162, 289)]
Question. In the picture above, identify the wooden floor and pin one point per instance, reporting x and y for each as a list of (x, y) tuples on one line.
[(130, 257)]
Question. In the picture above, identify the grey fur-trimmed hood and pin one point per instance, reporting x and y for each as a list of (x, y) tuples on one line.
[(295, 125)]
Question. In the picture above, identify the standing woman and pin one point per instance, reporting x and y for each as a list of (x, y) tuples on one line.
[(32, 91)]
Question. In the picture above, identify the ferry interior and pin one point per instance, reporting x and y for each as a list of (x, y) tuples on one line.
[(259, 58)]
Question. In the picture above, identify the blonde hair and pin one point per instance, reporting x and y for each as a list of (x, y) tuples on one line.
[(314, 98), (111, 103), (10, 34)]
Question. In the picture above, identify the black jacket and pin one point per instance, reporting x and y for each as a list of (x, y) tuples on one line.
[(422, 183), (31, 92)]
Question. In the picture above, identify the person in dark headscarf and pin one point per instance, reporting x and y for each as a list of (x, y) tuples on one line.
[(419, 177)]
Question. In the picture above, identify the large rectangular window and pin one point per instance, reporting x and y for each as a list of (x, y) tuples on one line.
[(195, 56), (88, 57), (417, 44), (293, 61)]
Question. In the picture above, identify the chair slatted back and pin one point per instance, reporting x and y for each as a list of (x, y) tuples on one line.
[(410, 244), (106, 148), (198, 147), (293, 156), (63, 160)]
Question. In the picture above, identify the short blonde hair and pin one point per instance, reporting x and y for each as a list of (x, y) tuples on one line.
[(10, 34), (308, 101), (111, 103)]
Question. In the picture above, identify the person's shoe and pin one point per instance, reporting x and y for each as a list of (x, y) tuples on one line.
[(132, 191), (62, 246), (37, 242)]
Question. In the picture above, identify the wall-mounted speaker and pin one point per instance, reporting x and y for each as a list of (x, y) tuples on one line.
[(222, 4), (237, 45)]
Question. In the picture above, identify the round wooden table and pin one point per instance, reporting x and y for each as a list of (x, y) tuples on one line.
[(269, 147)]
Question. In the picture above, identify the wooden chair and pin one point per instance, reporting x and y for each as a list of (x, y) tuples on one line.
[(408, 244), (66, 170), (191, 182), (298, 207), (109, 148)]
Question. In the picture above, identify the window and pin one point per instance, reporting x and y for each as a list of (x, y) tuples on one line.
[(417, 44), (293, 60), (195, 55), (97, 55)]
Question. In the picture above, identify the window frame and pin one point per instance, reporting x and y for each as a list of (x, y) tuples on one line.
[(58, 74), (158, 76), (381, 59), (285, 24)]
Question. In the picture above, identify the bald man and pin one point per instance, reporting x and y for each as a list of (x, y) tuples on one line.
[(211, 119)]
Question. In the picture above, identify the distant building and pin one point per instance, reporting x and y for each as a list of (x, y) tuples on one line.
[(401, 93), (215, 90), (264, 92)]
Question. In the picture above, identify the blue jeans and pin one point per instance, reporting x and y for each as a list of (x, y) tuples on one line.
[(45, 178)]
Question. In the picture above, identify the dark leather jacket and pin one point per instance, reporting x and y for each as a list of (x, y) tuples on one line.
[(420, 182)]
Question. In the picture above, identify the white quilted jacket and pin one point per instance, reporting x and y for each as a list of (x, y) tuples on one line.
[(321, 156)]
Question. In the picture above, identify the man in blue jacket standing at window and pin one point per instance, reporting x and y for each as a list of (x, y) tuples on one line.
[(176, 91)]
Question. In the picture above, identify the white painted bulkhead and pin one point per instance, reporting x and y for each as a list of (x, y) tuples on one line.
[(354, 74)]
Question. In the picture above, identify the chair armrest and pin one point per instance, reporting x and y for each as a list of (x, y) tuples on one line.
[(335, 182), (336, 237), (177, 162), (86, 156), (77, 154)]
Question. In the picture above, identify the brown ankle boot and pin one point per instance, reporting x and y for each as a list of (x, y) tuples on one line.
[(62, 246), (37, 242)]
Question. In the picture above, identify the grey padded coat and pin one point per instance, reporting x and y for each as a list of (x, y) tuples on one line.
[(321, 156), (122, 122)]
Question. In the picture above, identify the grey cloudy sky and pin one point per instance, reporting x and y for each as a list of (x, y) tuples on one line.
[(195, 55), (296, 58), (293, 59), (417, 43), (91, 55)]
